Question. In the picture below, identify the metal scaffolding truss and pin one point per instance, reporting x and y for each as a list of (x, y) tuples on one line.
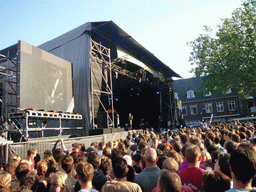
[(9, 83), (12, 119), (139, 75), (101, 83)]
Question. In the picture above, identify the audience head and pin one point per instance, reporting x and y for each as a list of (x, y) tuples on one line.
[(31, 152), (21, 170), (113, 186), (67, 163), (142, 145), (223, 164), (193, 154), (230, 146), (168, 182), (85, 172), (150, 155), (11, 166), (102, 145), (242, 162), (107, 151), (161, 159), (236, 138), (120, 168), (170, 164), (48, 152), (58, 182), (106, 166), (213, 181), (5, 181), (28, 181), (42, 167), (95, 159)]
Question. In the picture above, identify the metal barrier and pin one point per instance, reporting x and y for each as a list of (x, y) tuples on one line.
[(42, 144), (3, 154)]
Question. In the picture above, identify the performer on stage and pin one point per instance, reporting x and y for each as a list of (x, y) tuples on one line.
[(130, 120), (142, 124)]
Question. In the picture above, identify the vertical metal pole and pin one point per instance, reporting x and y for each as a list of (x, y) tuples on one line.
[(92, 88), (6, 87), (26, 126), (6, 152), (161, 109), (60, 126), (111, 87)]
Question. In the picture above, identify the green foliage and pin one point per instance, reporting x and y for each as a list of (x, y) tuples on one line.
[(229, 59)]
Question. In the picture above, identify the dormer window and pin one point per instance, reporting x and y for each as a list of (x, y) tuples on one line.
[(190, 94), (208, 94), (176, 95), (229, 91)]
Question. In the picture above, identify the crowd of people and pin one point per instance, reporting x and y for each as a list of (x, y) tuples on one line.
[(213, 158)]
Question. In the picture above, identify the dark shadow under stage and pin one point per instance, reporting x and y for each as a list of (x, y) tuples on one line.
[(105, 131)]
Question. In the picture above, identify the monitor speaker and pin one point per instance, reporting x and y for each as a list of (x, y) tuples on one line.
[(102, 120)]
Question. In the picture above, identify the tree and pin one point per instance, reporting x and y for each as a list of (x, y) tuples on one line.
[(229, 59)]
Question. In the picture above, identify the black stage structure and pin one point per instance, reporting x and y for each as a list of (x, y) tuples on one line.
[(108, 86)]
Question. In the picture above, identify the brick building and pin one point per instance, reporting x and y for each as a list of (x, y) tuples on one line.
[(197, 108)]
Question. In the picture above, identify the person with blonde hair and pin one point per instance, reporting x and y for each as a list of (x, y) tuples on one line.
[(5, 181), (113, 186), (42, 167), (58, 182), (11, 166)]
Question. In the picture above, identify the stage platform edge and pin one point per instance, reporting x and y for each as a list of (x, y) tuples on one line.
[(105, 131)]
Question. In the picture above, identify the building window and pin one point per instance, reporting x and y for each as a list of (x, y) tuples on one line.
[(184, 110), (229, 91), (208, 94), (231, 105), (250, 102), (193, 109), (176, 95), (208, 107), (190, 94), (220, 106)]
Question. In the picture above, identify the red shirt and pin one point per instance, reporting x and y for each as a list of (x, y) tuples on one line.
[(169, 144), (183, 189), (192, 177)]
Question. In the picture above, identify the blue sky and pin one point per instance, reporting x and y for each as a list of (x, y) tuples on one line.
[(161, 26)]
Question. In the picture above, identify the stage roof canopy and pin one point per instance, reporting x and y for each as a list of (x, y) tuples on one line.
[(113, 33)]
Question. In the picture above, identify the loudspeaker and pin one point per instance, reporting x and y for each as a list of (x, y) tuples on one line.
[(102, 120)]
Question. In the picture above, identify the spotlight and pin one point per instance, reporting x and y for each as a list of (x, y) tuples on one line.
[(157, 92)]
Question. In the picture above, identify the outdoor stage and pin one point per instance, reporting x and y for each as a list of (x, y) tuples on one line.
[(95, 71)]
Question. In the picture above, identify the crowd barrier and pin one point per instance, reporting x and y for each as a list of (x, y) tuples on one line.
[(42, 144)]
